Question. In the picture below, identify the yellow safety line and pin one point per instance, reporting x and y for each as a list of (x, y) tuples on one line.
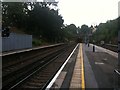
[(81, 57)]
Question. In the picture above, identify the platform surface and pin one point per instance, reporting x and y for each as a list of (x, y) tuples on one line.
[(88, 69)]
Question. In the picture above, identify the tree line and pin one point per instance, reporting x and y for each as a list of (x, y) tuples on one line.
[(35, 18), (44, 22), (107, 32), (38, 19)]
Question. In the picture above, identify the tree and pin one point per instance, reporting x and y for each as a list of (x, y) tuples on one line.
[(84, 32), (13, 14), (36, 18), (70, 32), (107, 32)]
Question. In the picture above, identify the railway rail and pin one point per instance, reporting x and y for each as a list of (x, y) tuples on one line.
[(33, 69)]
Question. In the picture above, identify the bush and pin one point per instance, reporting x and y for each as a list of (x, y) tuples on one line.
[(36, 42)]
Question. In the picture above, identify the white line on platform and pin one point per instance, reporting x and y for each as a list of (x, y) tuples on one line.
[(55, 77), (99, 63), (107, 51)]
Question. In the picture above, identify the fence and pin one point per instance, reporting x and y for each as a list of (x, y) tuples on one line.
[(16, 41)]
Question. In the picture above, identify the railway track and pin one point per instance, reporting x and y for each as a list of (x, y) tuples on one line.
[(15, 65), (35, 71)]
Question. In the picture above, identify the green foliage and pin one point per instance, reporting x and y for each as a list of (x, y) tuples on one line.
[(13, 14), (84, 33), (70, 32), (36, 42), (107, 32), (36, 19), (85, 30)]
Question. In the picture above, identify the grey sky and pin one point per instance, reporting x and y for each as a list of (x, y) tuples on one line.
[(88, 11)]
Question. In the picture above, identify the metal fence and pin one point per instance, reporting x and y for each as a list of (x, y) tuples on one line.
[(16, 41)]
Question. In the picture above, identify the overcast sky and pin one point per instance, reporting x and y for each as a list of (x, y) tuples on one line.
[(90, 12)]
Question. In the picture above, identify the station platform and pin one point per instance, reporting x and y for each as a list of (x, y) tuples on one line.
[(26, 49), (86, 69)]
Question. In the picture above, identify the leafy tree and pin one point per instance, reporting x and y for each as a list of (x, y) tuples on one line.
[(84, 32), (13, 14), (107, 32), (70, 32), (36, 19)]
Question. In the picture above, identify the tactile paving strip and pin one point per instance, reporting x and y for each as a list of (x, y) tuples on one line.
[(77, 80)]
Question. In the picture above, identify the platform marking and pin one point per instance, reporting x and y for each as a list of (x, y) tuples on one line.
[(58, 73), (82, 65), (105, 59), (107, 51), (100, 63), (78, 80), (59, 80)]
